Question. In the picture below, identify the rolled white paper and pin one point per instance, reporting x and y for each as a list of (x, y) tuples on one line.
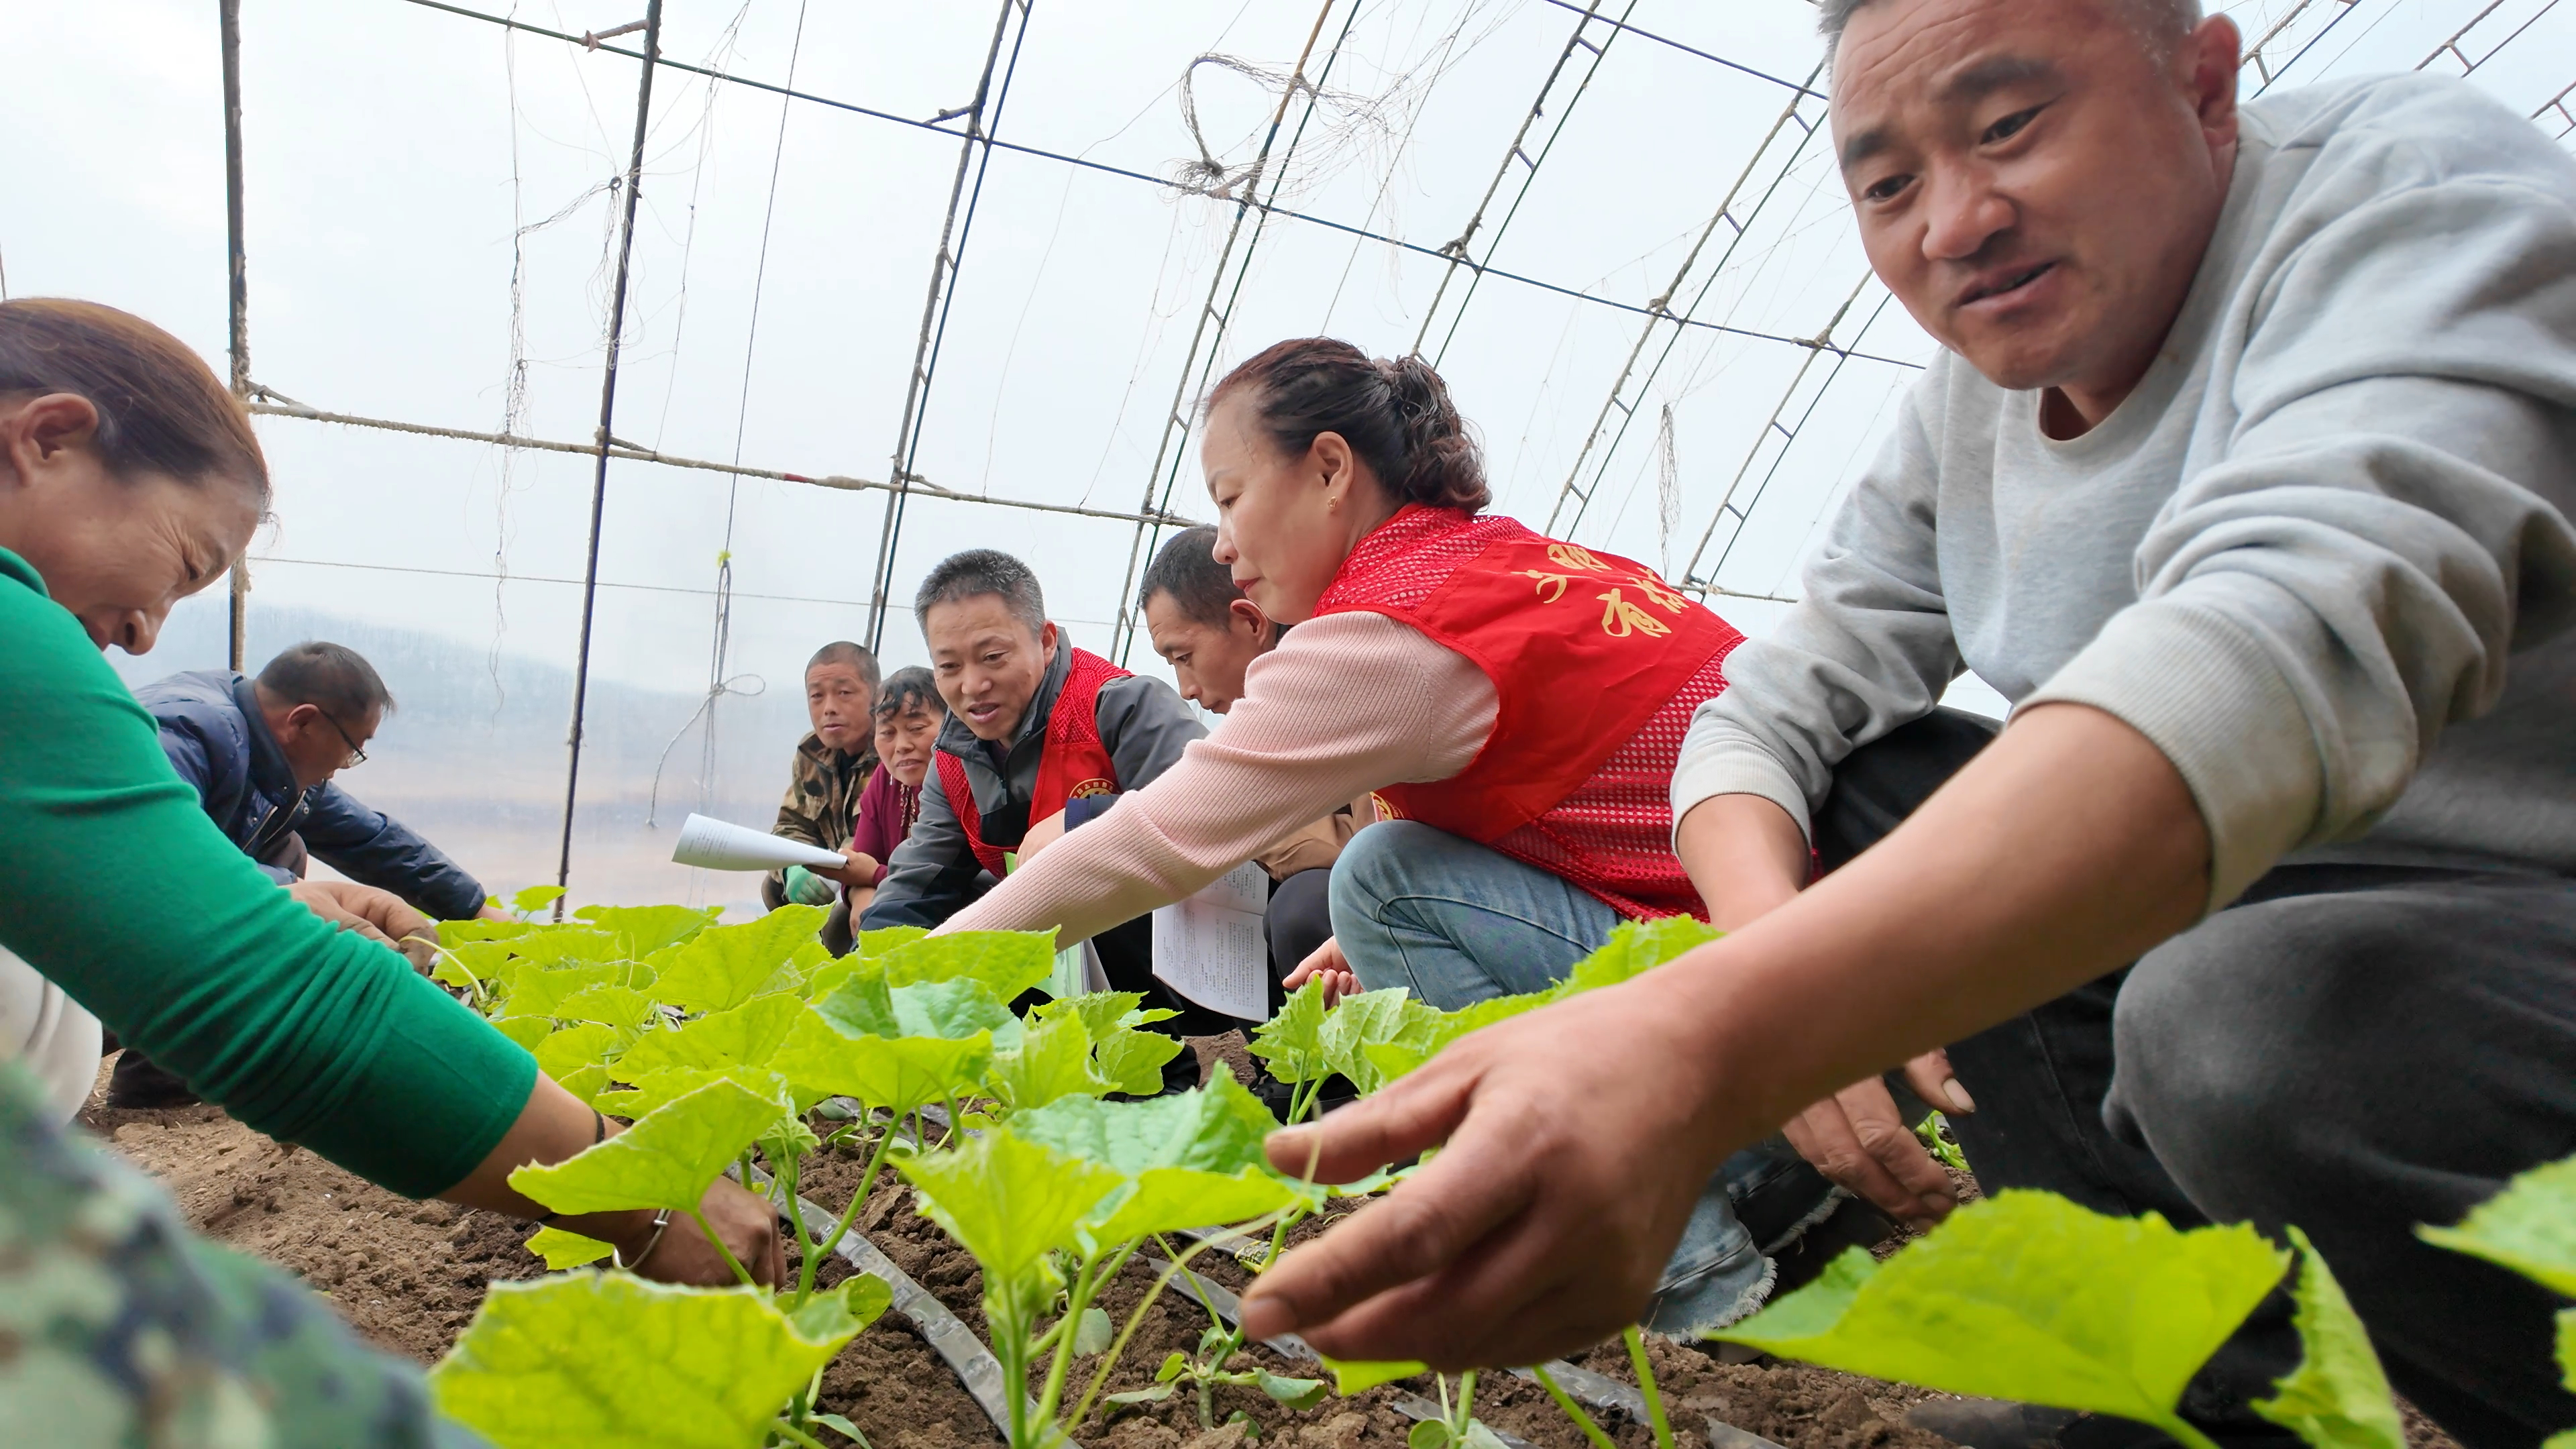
[(721, 845)]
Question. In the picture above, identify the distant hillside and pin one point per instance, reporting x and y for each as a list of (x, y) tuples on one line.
[(478, 766)]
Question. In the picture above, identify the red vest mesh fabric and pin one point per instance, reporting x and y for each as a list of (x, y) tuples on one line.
[(1075, 764), (1597, 666)]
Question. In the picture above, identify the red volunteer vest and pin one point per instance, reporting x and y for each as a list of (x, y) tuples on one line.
[(1075, 764), (1597, 664)]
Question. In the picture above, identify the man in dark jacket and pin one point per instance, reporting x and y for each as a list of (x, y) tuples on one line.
[(1003, 667), (261, 753)]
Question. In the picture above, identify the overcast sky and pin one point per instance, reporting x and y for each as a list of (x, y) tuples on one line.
[(404, 163)]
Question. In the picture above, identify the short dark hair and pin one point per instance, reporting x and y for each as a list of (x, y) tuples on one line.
[(909, 689), (842, 651), (1186, 568), (980, 571), (2159, 21), (332, 678)]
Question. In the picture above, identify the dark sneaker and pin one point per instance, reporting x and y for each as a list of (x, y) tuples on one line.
[(138, 1083)]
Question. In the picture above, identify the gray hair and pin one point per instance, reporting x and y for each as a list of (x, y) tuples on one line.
[(2162, 22), (333, 678), (980, 571), (842, 651)]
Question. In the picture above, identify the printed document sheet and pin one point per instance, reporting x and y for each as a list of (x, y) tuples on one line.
[(1211, 948)]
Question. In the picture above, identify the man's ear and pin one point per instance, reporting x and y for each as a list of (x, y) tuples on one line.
[(1246, 615), (301, 717), (1046, 639), (2210, 58)]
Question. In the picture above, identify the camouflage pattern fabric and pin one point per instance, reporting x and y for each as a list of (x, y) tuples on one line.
[(122, 1328), (821, 805)]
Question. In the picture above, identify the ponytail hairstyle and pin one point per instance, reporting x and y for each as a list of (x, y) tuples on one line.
[(1396, 415), (160, 409)]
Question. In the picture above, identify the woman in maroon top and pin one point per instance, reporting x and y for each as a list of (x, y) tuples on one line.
[(908, 714)]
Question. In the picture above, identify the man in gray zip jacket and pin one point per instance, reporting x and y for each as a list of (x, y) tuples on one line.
[(2246, 475)]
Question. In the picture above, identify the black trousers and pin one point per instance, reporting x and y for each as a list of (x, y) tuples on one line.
[(2353, 1049)]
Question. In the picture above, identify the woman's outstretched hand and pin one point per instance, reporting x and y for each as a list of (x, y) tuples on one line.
[(1326, 964), (1536, 1230)]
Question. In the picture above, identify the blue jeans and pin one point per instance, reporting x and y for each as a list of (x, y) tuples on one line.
[(1457, 923)]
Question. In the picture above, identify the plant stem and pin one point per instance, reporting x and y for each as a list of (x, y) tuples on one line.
[(1109, 1360), (794, 1435), (1591, 1427), (2184, 1431), (1646, 1385), (700, 1218), (1466, 1402), (1010, 1345), (1196, 1290), (1076, 1301), (867, 1183)]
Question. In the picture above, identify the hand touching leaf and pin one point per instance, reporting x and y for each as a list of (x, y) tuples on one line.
[(667, 1160)]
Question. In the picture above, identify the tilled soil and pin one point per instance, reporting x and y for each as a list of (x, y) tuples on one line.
[(409, 1276)]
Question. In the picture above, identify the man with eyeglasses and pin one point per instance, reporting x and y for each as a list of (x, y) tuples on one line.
[(261, 753)]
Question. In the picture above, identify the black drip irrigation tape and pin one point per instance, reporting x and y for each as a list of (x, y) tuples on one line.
[(973, 1363)]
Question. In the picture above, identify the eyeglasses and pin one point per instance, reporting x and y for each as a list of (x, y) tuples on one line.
[(357, 752)]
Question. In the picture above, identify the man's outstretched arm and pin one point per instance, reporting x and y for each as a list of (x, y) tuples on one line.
[(1537, 1231)]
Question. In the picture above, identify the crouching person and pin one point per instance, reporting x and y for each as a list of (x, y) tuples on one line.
[(1517, 701), (833, 766), (1036, 727)]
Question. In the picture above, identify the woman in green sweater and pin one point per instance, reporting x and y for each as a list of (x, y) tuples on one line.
[(129, 479)]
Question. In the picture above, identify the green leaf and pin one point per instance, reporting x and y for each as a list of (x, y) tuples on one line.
[(2530, 1227), (585, 1084), (527, 1031), (722, 967), (563, 1250), (575, 1047), (1219, 1128), (1166, 1199), (1101, 1012), (652, 1091), (610, 1361), (1175, 1364), (2027, 1296), (1292, 1041), (1007, 962), (565, 946), (900, 1047), (535, 989), (1368, 1019), (1298, 1394), (1155, 1395), (1053, 1060), (620, 1006), (452, 934), (535, 898), (1478, 1436), (643, 930), (1093, 1332), (1132, 1061), (481, 960), (842, 1312), (1358, 1376), (886, 938), (750, 1035), (665, 1160), (2338, 1397), (1427, 1434), (840, 1426), (1634, 949), (2567, 1346), (1007, 1201)]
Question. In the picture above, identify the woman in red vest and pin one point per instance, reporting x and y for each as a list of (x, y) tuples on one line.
[(1516, 702)]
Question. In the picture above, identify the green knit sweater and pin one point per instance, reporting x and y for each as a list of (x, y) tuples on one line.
[(115, 885)]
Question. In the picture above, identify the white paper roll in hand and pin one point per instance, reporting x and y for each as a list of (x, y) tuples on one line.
[(718, 845)]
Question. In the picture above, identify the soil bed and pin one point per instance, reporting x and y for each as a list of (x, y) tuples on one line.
[(409, 1276)]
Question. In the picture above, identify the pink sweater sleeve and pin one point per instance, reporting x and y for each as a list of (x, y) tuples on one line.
[(1346, 704)]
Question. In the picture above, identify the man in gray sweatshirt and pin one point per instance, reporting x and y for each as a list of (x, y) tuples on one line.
[(2246, 475)]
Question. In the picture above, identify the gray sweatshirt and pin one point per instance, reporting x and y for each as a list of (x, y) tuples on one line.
[(2321, 556)]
